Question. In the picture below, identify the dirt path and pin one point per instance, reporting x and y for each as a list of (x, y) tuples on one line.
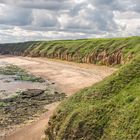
[(69, 77)]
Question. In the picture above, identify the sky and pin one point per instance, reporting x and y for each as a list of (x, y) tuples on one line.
[(25, 20)]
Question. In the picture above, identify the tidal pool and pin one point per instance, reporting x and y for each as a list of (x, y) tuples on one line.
[(9, 86), (23, 97)]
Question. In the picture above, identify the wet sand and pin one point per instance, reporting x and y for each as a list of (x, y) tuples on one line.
[(9, 86), (68, 76)]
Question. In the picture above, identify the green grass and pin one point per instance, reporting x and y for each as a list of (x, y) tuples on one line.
[(109, 110), (2, 104)]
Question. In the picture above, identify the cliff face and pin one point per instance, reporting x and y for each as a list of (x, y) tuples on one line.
[(97, 51), (98, 57)]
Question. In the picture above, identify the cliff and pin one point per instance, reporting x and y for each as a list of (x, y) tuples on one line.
[(109, 110), (112, 51)]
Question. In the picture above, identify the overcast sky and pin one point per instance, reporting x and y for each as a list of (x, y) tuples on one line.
[(23, 20)]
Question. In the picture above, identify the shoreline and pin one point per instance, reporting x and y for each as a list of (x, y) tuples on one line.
[(68, 78)]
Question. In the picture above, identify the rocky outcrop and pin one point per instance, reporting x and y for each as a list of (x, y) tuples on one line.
[(25, 106), (94, 58), (103, 57)]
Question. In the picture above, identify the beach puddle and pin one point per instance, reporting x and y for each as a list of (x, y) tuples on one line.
[(9, 86)]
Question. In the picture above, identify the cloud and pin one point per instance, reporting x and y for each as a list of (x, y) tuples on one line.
[(22, 20), (41, 4), (136, 6), (116, 5), (15, 16), (42, 18), (90, 20)]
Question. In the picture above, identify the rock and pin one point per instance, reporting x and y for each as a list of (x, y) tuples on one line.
[(31, 93)]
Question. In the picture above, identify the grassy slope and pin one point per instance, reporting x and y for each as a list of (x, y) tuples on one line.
[(109, 110), (101, 51)]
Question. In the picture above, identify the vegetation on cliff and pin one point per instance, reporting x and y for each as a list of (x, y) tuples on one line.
[(108, 110), (109, 51)]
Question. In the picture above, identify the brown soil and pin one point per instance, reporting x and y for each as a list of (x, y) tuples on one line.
[(68, 76)]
